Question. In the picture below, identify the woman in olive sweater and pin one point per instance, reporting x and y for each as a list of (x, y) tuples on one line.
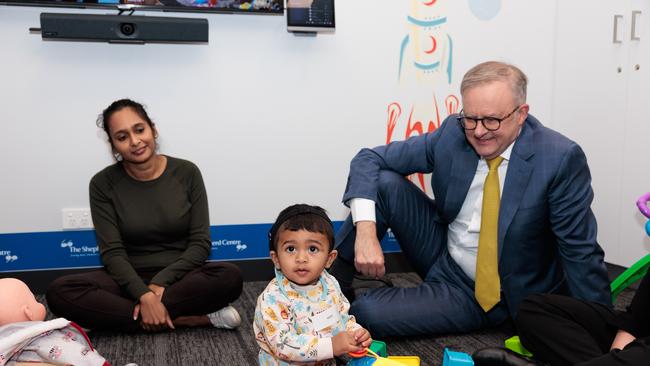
[(150, 213)]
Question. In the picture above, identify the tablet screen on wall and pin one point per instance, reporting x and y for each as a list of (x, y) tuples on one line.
[(310, 15)]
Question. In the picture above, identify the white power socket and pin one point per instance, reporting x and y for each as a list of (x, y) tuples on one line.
[(76, 218)]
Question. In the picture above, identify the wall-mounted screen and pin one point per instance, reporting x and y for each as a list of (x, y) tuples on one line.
[(310, 15), (228, 6)]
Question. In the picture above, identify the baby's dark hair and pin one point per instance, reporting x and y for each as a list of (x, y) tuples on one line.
[(302, 217)]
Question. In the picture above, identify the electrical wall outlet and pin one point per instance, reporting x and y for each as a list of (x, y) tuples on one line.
[(76, 218)]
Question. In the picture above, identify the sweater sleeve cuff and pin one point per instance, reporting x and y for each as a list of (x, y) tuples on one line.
[(138, 289), (324, 349), (162, 278)]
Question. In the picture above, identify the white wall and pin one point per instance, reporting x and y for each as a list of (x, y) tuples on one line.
[(601, 101), (270, 118)]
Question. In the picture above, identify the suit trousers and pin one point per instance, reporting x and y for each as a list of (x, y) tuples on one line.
[(565, 331), (94, 300), (444, 302)]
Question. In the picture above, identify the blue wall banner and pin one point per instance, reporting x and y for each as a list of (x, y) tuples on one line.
[(78, 249)]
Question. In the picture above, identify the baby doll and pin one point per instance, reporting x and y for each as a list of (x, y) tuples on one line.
[(26, 338)]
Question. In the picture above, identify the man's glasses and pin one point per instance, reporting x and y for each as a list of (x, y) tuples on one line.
[(490, 123)]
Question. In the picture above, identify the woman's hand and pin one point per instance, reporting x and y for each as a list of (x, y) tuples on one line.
[(154, 314), (622, 339), (158, 290)]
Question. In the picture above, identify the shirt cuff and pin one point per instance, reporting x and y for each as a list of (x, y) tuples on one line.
[(362, 209), (324, 349)]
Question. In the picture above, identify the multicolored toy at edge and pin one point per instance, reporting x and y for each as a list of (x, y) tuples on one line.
[(642, 204), (376, 355)]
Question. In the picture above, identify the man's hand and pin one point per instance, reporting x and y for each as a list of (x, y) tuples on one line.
[(622, 339), (368, 255), (154, 314), (345, 342)]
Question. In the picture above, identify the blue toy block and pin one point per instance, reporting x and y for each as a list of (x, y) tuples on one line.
[(453, 358), (363, 361)]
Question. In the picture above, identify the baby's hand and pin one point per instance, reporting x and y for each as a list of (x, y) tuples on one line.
[(362, 337), (345, 342)]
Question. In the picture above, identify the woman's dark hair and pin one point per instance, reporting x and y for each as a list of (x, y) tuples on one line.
[(302, 217), (118, 105)]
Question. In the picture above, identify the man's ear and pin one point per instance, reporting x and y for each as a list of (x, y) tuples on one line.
[(274, 258), (523, 113), (330, 258)]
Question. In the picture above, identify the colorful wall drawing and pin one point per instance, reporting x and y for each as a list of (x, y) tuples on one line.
[(427, 50), (425, 72)]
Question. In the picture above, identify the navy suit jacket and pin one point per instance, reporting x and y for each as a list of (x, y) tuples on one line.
[(547, 231)]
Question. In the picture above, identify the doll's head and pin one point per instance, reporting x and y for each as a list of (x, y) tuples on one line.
[(17, 303)]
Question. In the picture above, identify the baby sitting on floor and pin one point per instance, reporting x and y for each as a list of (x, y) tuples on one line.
[(302, 317)]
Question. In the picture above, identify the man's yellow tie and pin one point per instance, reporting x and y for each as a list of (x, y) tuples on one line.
[(488, 286)]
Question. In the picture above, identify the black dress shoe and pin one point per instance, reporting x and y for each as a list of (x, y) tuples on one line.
[(362, 284), (494, 356)]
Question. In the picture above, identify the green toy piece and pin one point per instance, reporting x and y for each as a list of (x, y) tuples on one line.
[(514, 344), (379, 348), (631, 275)]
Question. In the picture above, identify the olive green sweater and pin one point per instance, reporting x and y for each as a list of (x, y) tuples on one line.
[(162, 224)]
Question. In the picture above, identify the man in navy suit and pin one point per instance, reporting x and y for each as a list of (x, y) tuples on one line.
[(544, 239)]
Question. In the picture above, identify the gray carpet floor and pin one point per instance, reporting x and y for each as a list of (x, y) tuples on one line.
[(209, 346)]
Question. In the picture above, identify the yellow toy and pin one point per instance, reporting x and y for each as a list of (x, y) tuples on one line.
[(369, 357), (394, 360)]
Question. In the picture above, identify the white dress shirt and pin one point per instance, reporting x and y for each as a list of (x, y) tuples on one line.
[(462, 237)]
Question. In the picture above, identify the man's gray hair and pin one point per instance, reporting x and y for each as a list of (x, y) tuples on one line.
[(491, 71)]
